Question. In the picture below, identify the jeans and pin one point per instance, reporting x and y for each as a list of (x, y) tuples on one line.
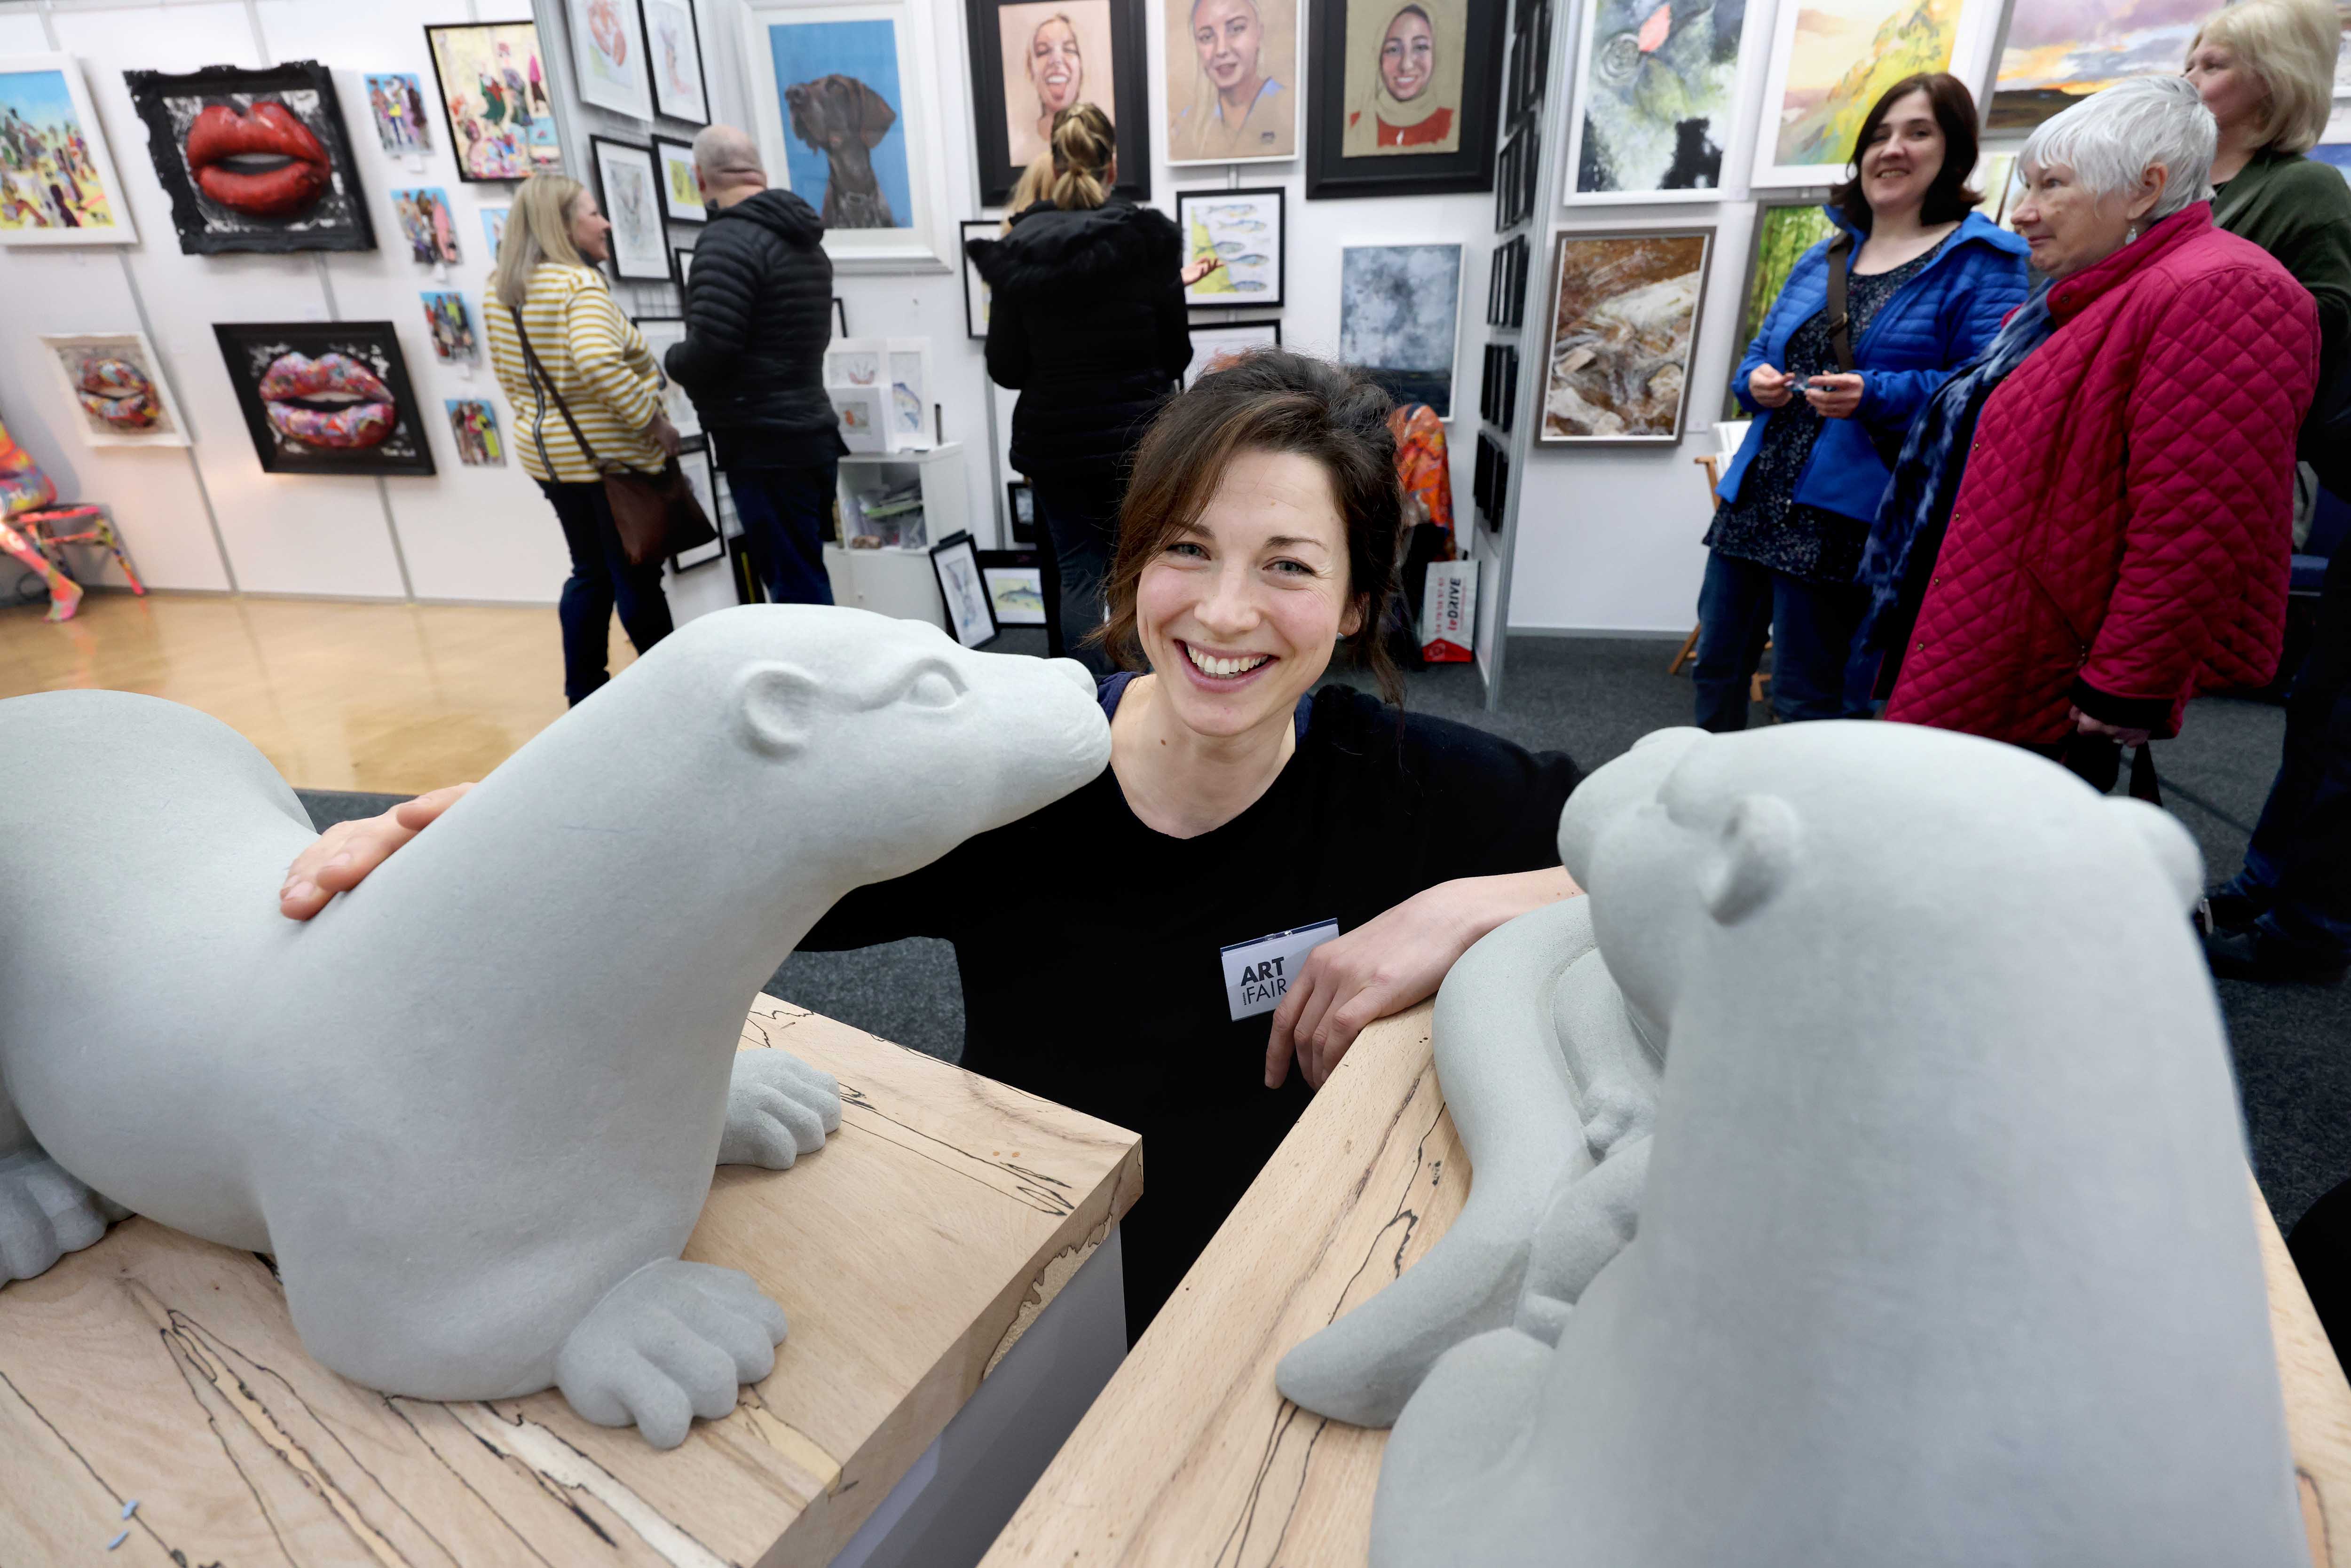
[(1080, 522), (601, 580), (783, 511), (2298, 867), (1813, 672)]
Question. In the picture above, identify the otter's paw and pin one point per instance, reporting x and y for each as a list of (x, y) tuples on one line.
[(45, 1213), (671, 1342), (778, 1109)]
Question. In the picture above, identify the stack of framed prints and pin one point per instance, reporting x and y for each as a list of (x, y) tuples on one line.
[(253, 160), (326, 397), (1032, 58), (1498, 389), (57, 185), (1514, 180), (494, 95), (1214, 347), (1405, 97), (1505, 283), (115, 385), (1529, 58), (1243, 232), (1489, 485), (1399, 315), (1656, 89), (629, 187), (681, 192), (1623, 332)]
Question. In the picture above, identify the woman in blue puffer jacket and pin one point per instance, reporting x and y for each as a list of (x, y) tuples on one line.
[(1929, 281)]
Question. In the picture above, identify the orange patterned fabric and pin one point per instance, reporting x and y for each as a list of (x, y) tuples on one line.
[(23, 485), (1421, 464)]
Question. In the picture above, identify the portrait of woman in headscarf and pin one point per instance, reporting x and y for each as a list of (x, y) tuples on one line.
[(1229, 68), (1403, 76)]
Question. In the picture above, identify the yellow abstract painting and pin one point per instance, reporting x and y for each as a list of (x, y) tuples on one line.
[(1845, 52)]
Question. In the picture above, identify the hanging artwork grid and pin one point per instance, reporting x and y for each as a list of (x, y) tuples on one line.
[(1244, 229)]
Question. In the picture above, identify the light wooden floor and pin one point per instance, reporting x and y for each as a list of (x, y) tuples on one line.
[(394, 697)]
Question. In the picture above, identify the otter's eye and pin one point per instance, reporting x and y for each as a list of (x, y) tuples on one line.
[(931, 684)]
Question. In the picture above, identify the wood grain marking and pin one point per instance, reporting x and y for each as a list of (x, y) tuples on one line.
[(566, 1466), (17, 1395), (861, 1114), (761, 1421), (1060, 1269)]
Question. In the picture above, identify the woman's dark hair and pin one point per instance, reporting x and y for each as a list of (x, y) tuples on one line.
[(1949, 198), (1268, 401)]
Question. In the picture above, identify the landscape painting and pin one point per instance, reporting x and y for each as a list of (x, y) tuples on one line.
[(1399, 316), (58, 185), (1831, 59), (1623, 327), (1659, 84), (2058, 52), (1784, 231)]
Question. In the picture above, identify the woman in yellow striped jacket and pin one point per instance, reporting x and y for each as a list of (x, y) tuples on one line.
[(603, 371)]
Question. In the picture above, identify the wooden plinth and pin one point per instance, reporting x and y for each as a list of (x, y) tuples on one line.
[(1191, 1457), (909, 1254)]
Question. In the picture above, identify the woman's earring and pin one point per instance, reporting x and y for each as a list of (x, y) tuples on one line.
[(2130, 235)]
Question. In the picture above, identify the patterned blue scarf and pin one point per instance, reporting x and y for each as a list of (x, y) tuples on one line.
[(1916, 507)]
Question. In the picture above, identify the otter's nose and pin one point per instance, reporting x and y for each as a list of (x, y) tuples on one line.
[(1076, 672)]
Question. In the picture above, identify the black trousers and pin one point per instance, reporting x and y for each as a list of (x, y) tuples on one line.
[(1080, 522), (601, 582)]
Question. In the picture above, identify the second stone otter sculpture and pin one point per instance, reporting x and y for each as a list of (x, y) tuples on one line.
[(473, 1109)]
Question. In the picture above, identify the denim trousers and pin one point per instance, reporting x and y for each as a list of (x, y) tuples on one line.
[(1813, 672), (783, 512), (1080, 522), (601, 582), (2297, 869)]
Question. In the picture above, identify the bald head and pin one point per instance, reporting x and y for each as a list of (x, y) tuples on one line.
[(727, 161)]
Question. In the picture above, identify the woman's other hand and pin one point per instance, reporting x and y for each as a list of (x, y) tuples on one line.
[(1387, 964), (2086, 724), (346, 852), (664, 434), (1835, 396), (1199, 268), (1771, 388)]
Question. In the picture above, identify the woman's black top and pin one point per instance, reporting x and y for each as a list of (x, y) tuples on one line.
[(1089, 944), (1767, 524), (1086, 319)]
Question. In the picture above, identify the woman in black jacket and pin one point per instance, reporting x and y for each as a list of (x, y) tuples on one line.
[(1087, 322)]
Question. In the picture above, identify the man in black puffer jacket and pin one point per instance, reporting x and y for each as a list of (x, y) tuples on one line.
[(758, 317)]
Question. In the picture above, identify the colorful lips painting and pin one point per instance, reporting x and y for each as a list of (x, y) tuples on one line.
[(118, 395), (253, 160), (326, 397)]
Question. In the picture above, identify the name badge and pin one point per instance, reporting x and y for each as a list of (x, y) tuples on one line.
[(1257, 972)]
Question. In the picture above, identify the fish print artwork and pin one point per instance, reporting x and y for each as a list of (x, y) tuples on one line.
[(1237, 237)]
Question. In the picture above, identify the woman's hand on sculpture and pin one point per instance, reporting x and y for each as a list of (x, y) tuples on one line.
[(1197, 269), (2084, 724), (1835, 396), (1772, 389), (1389, 963), (663, 435), (345, 853)]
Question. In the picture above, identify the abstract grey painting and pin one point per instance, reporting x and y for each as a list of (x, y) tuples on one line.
[(1399, 311)]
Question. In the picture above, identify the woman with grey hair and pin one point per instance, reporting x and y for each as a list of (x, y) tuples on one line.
[(2090, 522)]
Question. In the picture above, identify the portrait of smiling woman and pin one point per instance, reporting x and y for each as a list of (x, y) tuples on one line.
[(1403, 76), (1051, 51)]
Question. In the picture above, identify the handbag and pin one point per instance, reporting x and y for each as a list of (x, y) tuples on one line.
[(655, 514)]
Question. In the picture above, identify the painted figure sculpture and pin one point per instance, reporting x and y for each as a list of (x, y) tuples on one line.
[(473, 1107), (1940, 1250)]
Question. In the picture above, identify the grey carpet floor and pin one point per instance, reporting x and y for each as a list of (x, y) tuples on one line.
[(1592, 698)]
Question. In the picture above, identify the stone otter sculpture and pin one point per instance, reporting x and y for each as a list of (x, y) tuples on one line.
[(473, 1107), (1945, 1255)]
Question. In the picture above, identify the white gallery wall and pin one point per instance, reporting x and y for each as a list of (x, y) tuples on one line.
[(1607, 539)]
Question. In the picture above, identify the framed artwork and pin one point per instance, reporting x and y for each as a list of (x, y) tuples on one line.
[(1015, 586), (1530, 64), (628, 188), (1829, 62), (474, 425), (971, 613), (975, 292), (57, 185), (680, 194), (673, 56), (862, 416), (1020, 501), (326, 397), (1505, 283), (1399, 319), (844, 98), (1515, 179), (662, 333), (608, 56), (909, 381), (450, 328), (425, 224), (701, 478), (1404, 97), (1032, 58), (1784, 231), (1232, 80), (1656, 88), (2055, 54), (116, 388), (493, 97), (494, 229), (1624, 329), (396, 104), (1245, 231), (1995, 176), (1498, 388), (204, 128), (683, 255), (1214, 347)]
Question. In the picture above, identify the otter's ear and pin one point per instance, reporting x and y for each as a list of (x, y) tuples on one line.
[(1755, 859), (775, 703), (2176, 854)]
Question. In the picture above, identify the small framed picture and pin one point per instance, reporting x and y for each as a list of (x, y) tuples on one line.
[(1243, 231), (631, 199), (681, 192), (662, 333), (673, 56), (864, 426), (975, 292), (971, 616), (683, 255), (1214, 347), (701, 478), (1021, 509), (1015, 586)]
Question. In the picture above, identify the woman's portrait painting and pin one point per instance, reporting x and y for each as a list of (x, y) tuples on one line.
[(1056, 53), (1405, 61), (1232, 80)]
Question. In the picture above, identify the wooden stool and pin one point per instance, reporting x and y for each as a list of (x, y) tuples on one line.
[(1712, 464)]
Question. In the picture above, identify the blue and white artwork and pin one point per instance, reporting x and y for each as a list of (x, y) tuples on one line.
[(1399, 317), (845, 135)]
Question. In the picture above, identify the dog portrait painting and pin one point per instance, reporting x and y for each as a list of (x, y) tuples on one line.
[(845, 151)]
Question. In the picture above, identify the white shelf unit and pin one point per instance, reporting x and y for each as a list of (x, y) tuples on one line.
[(893, 580)]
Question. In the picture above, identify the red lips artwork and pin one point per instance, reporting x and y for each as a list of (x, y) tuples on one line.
[(332, 401), (265, 163), (118, 394)]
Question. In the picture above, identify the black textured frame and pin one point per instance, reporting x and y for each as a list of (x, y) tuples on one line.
[(961, 539), (661, 185), (652, 82), (315, 338), (699, 452), (1281, 259), (1470, 167), (1129, 107), (148, 90), (596, 144)]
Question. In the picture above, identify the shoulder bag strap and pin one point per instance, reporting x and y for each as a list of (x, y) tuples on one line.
[(1840, 324), (540, 378)]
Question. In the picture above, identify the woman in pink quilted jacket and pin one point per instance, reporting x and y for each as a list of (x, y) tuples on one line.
[(2091, 521)]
